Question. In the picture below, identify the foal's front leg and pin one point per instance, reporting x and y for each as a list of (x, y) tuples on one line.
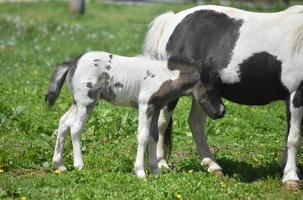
[(164, 145), (144, 137), (152, 146), (290, 177), (197, 122)]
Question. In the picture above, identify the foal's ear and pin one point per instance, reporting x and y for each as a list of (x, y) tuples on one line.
[(204, 73), (215, 77), (208, 75)]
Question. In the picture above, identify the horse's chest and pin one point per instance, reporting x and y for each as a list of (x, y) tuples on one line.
[(259, 81)]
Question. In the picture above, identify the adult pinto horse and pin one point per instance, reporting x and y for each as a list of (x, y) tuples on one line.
[(257, 56)]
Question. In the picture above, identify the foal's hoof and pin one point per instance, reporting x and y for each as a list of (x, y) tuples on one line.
[(62, 168), (78, 167), (162, 164), (219, 173), (291, 185), (140, 174)]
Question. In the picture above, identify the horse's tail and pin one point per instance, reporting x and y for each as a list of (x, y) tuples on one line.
[(154, 34), (57, 81), (168, 142)]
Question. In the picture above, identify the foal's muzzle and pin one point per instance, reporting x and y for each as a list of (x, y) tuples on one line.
[(212, 105)]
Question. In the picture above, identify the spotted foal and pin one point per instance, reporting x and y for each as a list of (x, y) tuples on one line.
[(138, 82)]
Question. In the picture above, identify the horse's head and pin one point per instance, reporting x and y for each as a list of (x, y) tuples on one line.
[(206, 94)]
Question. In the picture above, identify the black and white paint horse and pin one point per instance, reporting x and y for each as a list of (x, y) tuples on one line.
[(259, 59), (130, 81)]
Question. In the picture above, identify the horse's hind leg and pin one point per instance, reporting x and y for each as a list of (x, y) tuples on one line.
[(290, 177), (197, 122), (62, 131)]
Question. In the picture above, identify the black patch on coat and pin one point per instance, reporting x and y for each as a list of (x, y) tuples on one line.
[(94, 92), (118, 85), (106, 91), (108, 67), (260, 81), (149, 74), (298, 98), (110, 56), (204, 36), (96, 65), (97, 60), (89, 85)]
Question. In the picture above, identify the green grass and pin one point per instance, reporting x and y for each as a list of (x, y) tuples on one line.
[(34, 37)]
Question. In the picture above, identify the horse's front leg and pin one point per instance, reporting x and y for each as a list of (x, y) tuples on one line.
[(295, 113), (197, 122), (143, 138)]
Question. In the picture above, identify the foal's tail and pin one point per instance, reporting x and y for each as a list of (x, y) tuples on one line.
[(56, 84), (57, 81), (154, 34)]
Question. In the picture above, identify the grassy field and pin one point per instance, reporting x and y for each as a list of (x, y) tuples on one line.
[(34, 37)]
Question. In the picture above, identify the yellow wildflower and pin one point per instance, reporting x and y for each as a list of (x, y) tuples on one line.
[(1, 170), (178, 196), (190, 171), (23, 198), (58, 171)]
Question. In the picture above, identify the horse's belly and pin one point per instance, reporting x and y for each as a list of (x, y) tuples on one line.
[(253, 93)]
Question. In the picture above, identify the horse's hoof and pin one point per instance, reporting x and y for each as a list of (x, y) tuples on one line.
[(291, 185), (219, 173)]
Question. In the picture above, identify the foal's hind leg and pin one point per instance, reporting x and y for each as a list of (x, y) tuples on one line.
[(62, 131), (76, 129), (197, 122), (290, 177)]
